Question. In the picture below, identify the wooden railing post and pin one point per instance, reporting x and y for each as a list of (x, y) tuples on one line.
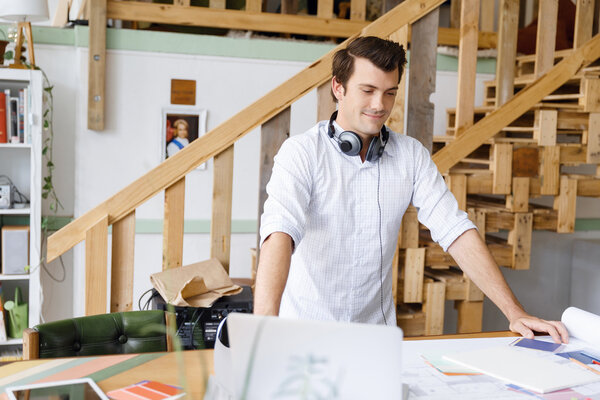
[(220, 225), (272, 135), (173, 225), (96, 259), (121, 276), (546, 36), (507, 50), (325, 103), (422, 71), (325, 8), (467, 65), (584, 22), (96, 65), (396, 120)]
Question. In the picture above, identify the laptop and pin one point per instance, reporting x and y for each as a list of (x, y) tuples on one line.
[(278, 358)]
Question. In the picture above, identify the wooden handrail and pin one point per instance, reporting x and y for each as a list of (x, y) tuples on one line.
[(487, 127), (227, 133)]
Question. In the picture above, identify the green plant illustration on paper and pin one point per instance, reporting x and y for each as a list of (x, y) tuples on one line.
[(309, 379)]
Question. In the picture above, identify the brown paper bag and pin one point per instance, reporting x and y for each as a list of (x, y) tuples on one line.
[(195, 285)]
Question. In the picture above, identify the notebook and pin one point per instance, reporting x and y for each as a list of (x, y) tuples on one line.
[(279, 358)]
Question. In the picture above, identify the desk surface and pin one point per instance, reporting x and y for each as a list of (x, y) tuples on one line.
[(114, 372)]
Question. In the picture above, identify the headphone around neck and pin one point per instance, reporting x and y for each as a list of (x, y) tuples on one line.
[(351, 144)]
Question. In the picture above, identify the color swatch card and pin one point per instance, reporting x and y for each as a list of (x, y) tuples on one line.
[(536, 344), (147, 390)]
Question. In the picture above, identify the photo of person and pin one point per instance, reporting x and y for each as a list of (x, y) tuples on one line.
[(181, 126), (180, 137)]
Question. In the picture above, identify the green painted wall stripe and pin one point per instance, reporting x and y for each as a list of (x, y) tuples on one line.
[(210, 45), (155, 226)]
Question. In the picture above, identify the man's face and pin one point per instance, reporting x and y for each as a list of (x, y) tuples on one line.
[(366, 102)]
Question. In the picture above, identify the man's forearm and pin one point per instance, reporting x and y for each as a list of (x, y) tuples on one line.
[(474, 258), (272, 273)]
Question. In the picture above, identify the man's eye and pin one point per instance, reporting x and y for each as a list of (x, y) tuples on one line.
[(391, 93), (367, 91)]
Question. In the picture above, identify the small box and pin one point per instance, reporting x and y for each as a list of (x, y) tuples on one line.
[(15, 249)]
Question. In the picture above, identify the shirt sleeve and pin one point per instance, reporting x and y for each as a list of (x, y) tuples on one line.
[(289, 192), (437, 207)]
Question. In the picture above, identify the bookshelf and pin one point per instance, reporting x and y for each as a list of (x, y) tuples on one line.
[(22, 163)]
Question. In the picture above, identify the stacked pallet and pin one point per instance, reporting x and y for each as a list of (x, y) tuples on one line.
[(550, 152)]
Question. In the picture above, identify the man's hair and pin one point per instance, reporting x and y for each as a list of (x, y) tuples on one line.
[(384, 54)]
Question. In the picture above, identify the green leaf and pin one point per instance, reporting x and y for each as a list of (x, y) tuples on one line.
[(9, 55), (44, 150), (50, 164), (46, 124), (45, 195), (49, 88)]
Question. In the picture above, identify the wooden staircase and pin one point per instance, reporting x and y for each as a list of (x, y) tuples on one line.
[(271, 112)]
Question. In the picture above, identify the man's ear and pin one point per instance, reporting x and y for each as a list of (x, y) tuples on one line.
[(337, 89)]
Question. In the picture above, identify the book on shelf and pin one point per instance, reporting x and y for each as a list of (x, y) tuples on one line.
[(7, 108), (14, 120), (21, 115), (3, 336), (3, 134)]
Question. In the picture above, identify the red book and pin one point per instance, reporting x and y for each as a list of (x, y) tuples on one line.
[(3, 136)]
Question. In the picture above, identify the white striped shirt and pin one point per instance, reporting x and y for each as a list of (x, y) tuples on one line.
[(328, 203)]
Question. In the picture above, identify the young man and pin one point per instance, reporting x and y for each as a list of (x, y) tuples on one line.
[(336, 200)]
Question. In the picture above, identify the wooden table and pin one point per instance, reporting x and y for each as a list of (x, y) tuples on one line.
[(188, 369)]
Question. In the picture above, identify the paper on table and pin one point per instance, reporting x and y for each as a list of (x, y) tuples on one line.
[(525, 368), (582, 325), (195, 285)]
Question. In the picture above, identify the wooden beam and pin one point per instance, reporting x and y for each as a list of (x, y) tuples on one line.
[(488, 15), (96, 259), (518, 201), (173, 225), (546, 36), (325, 103), (414, 268), (549, 170), (467, 65), (593, 147), (97, 65), (220, 223), (566, 203), (455, 13), (507, 50), (396, 119), (470, 316), (487, 127), (422, 73), (272, 135), (325, 9), (61, 15), (544, 130), (451, 37), (225, 134), (358, 10), (182, 3), (253, 6), (122, 258), (502, 168), (434, 308), (520, 238), (409, 230), (457, 183), (584, 22)]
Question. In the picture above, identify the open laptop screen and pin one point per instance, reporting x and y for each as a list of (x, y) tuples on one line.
[(282, 358)]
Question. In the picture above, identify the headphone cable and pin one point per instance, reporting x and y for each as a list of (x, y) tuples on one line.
[(380, 245)]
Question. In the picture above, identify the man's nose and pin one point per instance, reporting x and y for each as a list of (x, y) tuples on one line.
[(377, 102)]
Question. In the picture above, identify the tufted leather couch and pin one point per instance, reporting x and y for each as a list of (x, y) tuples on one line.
[(115, 333)]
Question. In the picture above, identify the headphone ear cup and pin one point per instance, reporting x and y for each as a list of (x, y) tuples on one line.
[(350, 143)]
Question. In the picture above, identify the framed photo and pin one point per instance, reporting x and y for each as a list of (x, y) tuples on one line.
[(181, 125)]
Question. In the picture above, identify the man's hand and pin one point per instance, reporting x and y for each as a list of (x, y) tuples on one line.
[(526, 324)]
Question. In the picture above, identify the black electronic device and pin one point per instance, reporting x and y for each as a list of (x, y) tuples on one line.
[(197, 327)]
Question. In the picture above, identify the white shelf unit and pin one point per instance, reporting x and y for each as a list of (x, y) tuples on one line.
[(23, 164)]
